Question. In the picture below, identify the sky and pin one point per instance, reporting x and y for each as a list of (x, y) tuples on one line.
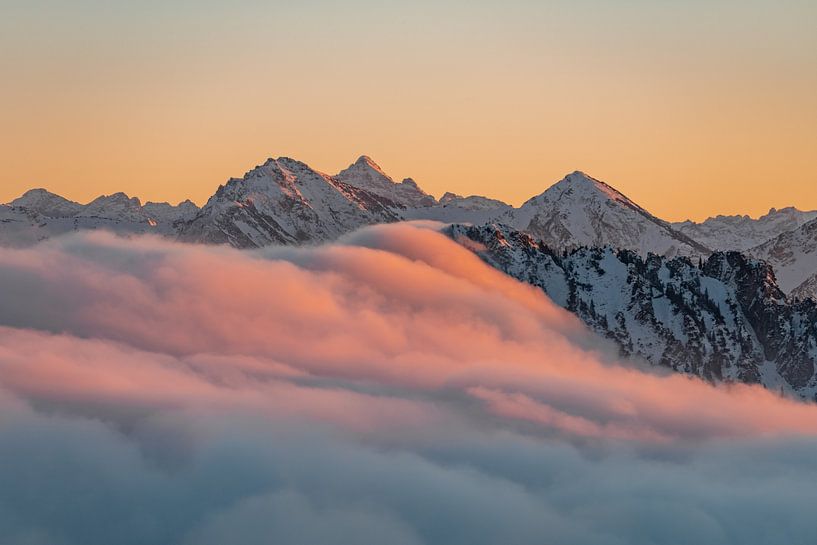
[(691, 108)]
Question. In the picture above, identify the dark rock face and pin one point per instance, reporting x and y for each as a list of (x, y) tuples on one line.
[(722, 318)]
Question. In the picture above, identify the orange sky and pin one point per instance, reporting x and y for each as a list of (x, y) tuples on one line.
[(690, 110)]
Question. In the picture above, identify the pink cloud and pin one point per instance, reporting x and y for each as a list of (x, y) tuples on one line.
[(398, 322)]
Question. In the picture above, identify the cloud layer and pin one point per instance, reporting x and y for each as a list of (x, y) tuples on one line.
[(387, 389)]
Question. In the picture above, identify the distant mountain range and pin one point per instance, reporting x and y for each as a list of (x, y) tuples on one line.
[(730, 298), (742, 232), (39, 214), (284, 201)]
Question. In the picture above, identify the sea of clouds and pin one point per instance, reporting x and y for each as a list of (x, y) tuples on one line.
[(390, 388)]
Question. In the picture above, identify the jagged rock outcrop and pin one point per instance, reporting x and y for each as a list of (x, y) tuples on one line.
[(722, 318), (794, 257)]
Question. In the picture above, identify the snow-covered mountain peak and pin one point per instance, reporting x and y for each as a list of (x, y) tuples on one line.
[(788, 212), (35, 195), (292, 165), (580, 177), (284, 201), (112, 203), (117, 206), (580, 210), (281, 167), (365, 171), (581, 186), (366, 162), (366, 174), (44, 202), (270, 181)]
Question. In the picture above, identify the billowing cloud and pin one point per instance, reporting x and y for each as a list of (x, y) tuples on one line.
[(388, 388)]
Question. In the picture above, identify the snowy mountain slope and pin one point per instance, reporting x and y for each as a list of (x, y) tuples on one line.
[(39, 214), (47, 204), (118, 206), (20, 227), (582, 211), (366, 174), (168, 214), (743, 232), (807, 289), (454, 208), (793, 255), (284, 201), (723, 319), (472, 202)]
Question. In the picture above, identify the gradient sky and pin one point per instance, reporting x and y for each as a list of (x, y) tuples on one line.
[(691, 107)]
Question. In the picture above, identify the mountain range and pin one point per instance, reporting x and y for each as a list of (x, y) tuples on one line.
[(39, 214), (730, 298), (722, 317)]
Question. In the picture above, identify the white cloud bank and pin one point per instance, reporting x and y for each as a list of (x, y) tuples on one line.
[(389, 389)]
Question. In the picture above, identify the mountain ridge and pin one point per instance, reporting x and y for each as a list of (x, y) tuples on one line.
[(741, 232), (794, 256), (581, 210), (723, 319), (577, 210)]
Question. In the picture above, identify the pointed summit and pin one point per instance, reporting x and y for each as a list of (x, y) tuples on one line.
[(366, 174), (364, 169), (578, 184), (364, 161), (578, 175), (580, 210)]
